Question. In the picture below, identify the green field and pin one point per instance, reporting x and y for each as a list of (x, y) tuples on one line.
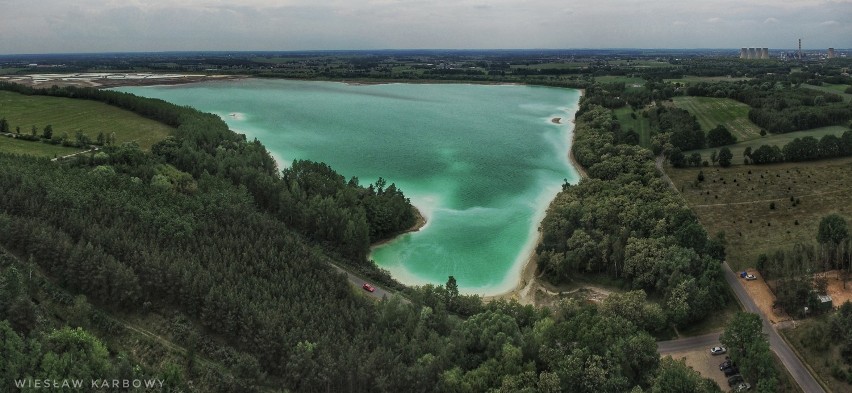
[(34, 148), (640, 63), (71, 115), (737, 200), (711, 112), (639, 124), (773, 139), (627, 80), (836, 89), (696, 79), (557, 66)]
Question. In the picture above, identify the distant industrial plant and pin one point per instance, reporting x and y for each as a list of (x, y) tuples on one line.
[(754, 53), (763, 53)]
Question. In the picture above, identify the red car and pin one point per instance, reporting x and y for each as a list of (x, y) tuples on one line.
[(368, 287)]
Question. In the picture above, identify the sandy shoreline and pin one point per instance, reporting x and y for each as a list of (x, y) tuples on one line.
[(580, 169), (369, 82), (524, 292)]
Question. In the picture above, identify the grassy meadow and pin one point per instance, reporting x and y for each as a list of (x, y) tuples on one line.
[(68, 115), (640, 124), (711, 112), (737, 200), (836, 89), (631, 82), (687, 79), (34, 148), (553, 66)]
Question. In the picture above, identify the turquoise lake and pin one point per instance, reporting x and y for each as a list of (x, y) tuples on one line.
[(481, 162)]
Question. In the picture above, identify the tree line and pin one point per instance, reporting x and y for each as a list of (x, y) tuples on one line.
[(80, 140), (625, 222), (803, 149)]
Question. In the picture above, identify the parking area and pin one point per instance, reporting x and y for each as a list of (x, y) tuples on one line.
[(763, 297), (706, 364)]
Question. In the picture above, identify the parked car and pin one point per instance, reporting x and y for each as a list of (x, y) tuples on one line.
[(750, 277), (368, 287), (726, 364), (742, 387), (743, 274), (730, 371), (718, 350), (733, 381)]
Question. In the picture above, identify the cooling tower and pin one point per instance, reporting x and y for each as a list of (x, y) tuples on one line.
[(752, 53), (764, 53), (743, 53)]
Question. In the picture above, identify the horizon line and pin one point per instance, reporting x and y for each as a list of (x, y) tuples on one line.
[(226, 51)]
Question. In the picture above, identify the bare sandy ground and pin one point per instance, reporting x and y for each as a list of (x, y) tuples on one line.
[(106, 80), (839, 295), (706, 364), (764, 298)]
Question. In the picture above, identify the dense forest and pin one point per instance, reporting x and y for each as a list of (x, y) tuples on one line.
[(205, 229), (625, 222)]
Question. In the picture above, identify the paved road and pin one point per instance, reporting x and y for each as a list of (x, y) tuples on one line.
[(788, 358), (379, 293), (688, 344), (794, 366)]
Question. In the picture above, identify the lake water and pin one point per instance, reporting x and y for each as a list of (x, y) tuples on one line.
[(481, 162)]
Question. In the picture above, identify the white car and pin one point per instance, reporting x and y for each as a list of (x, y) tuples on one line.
[(718, 350), (750, 277), (743, 387)]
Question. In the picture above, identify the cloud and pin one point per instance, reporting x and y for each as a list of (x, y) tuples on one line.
[(28, 26)]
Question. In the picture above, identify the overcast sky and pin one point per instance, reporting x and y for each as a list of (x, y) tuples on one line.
[(47, 26)]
